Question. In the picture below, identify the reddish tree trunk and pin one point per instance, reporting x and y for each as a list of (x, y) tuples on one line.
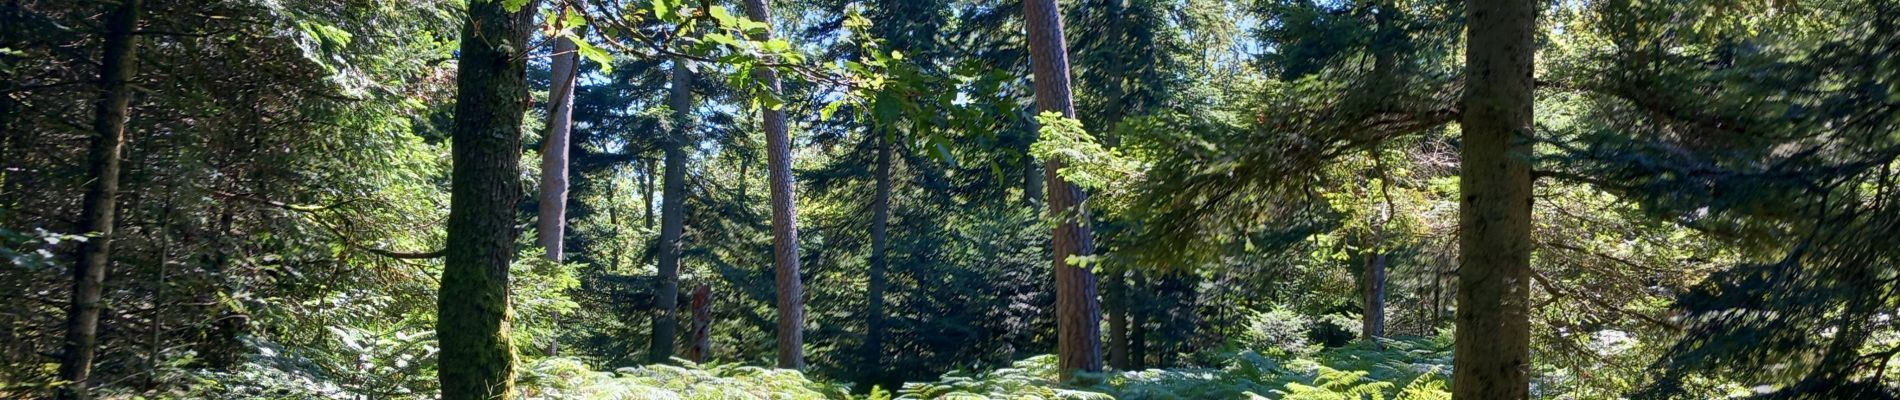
[(1078, 313), (701, 349)]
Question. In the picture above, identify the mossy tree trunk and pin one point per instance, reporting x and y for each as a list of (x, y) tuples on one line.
[(477, 359)]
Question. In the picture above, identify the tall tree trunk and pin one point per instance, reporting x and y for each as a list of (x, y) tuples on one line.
[(1139, 298), (116, 69), (1115, 300), (791, 304), (10, 11), (1078, 315), (1493, 332), (666, 291), (154, 347), (873, 352), (1385, 54), (478, 360), (551, 225)]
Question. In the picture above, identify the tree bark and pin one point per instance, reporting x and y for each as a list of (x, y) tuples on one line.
[(117, 68), (1032, 172), (1078, 315), (701, 349), (551, 225), (791, 305), (1372, 323), (646, 190), (477, 358), (672, 217), (1138, 296), (1493, 325), (873, 352), (1115, 300)]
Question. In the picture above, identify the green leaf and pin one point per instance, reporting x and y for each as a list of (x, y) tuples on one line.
[(514, 5), (724, 17), (885, 108), (777, 45), (830, 108), (722, 39), (573, 20), (592, 53), (662, 9), (751, 27)]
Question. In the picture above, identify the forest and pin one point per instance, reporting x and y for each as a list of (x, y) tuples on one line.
[(949, 199)]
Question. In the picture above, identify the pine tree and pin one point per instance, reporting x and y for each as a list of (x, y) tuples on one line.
[(1078, 312)]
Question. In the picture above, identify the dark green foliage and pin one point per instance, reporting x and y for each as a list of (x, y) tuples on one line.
[(1713, 215)]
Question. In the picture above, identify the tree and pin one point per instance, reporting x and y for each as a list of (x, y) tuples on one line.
[(1078, 314), (672, 214), (1494, 225), (477, 358), (117, 68), (791, 303), (551, 225), (873, 352)]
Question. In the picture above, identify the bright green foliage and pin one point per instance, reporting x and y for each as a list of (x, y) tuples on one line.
[(567, 378), (1085, 161), (1410, 369)]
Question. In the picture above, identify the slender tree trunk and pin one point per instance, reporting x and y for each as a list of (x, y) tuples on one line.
[(478, 360), (1115, 300), (551, 226), (1138, 296), (1438, 292), (791, 304), (1078, 314), (613, 219), (11, 11), (116, 70), (551, 223), (1493, 332), (154, 346), (1373, 318), (666, 292), (646, 190), (701, 349), (873, 352)]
